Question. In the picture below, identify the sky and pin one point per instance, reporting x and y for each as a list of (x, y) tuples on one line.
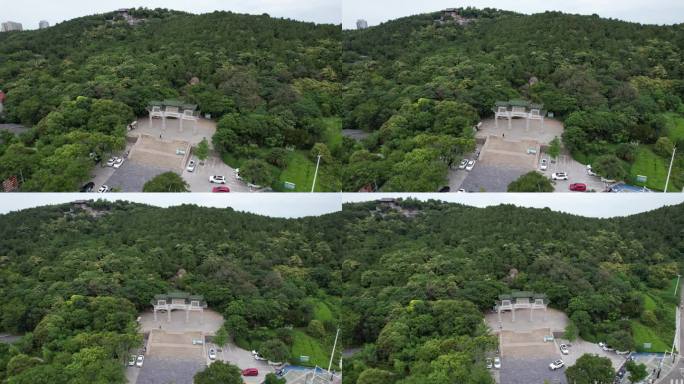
[(31, 12), (291, 205), (600, 205), (646, 12)]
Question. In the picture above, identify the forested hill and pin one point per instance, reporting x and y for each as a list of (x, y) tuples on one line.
[(416, 287), (268, 82), (613, 83)]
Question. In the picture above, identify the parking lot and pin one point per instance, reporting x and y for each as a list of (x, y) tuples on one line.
[(199, 178), (577, 173), (243, 359)]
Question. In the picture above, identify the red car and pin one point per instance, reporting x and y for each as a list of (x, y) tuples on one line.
[(250, 372), (222, 188), (578, 187)]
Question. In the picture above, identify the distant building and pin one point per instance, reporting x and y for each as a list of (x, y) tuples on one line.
[(361, 24), (453, 15), (43, 24), (11, 26)]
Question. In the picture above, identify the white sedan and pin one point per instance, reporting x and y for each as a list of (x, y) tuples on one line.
[(191, 166), (471, 165), (212, 354), (140, 361), (117, 164), (112, 161), (558, 364), (217, 179), (104, 189), (463, 164), (559, 176), (543, 165)]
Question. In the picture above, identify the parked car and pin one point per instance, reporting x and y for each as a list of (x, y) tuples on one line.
[(131, 360), (622, 352), (191, 166), (111, 161), (578, 187), (564, 349), (250, 372), (140, 360), (559, 176), (489, 363), (104, 189), (445, 189), (237, 174), (477, 154), (222, 188), (257, 356), (463, 164), (212, 354), (274, 363), (461, 190), (470, 165), (88, 187), (118, 162), (590, 171), (217, 179), (497, 362), (558, 364), (544, 164)]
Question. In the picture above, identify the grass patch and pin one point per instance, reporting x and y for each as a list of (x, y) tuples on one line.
[(675, 126), (649, 164), (332, 134), (300, 171), (305, 345), (322, 312), (643, 334)]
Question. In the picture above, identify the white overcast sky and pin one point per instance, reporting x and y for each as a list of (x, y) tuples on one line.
[(305, 204), (30, 12), (647, 12)]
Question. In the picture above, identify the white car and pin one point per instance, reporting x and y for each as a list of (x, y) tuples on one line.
[(489, 363), (559, 176), (544, 164), (274, 363), (257, 356), (131, 360), (112, 161), (470, 165), (564, 349), (104, 189), (191, 166), (212, 354), (590, 171), (217, 179), (117, 164), (139, 362), (556, 365), (237, 174), (463, 164), (497, 362)]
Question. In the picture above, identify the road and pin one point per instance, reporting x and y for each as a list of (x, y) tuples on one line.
[(676, 375)]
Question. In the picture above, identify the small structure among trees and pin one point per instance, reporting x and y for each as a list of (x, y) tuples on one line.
[(179, 301), (521, 300), (173, 109), (518, 109)]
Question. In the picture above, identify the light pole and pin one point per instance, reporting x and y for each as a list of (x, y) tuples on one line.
[(318, 162), (677, 285), (669, 171), (333, 351)]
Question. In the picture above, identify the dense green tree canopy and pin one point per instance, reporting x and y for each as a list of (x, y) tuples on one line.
[(531, 182), (166, 182)]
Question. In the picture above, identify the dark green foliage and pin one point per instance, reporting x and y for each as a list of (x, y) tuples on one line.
[(610, 167), (637, 372), (219, 372), (271, 378), (256, 172), (591, 369), (531, 182), (166, 182), (274, 350)]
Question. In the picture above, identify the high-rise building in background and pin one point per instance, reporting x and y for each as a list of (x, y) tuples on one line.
[(361, 24), (11, 26), (43, 24)]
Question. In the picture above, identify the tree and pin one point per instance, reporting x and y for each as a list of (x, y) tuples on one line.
[(256, 172), (590, 369), (570, 331), (610, 167), (531, 182), (637, 372), (274, 350), (221, 337), (321, 149), (166, 182), (664, 147), (219, 372), (554, 148), (315, 329), (271, 378), (375, 376), (202, 150)]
